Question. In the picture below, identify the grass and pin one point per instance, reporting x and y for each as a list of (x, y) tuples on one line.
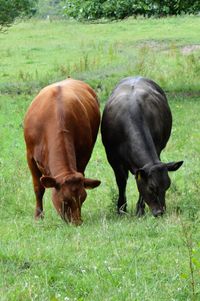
[(94, 52), (108, 257)]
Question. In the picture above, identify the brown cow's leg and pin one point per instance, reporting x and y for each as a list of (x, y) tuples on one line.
[(38, 187)]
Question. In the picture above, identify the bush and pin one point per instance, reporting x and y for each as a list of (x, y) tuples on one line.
[(12, 9), (120, 9)]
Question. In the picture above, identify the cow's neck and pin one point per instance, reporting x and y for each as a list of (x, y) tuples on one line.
[(62, 158), (142, 159), (142, 151)]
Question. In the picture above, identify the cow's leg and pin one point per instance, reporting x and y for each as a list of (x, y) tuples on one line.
[(38, 187), (82, 161), (81, 166), (140, 207), (121, 175)]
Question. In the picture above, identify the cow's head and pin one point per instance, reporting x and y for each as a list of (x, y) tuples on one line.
[(68, 194), (153, 182)]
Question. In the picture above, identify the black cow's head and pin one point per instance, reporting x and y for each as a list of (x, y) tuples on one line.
[(153, 182)]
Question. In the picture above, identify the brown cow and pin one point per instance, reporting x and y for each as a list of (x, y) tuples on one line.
[(60, 129)]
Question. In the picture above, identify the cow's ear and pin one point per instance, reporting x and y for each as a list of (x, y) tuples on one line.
[(140, 174), (90, 184), (172, 166), (49, 182)]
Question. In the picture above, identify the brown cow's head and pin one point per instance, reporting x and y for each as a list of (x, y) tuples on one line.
[(153, 182), (68, 194)]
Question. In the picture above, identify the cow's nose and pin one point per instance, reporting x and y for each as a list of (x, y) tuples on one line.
[(77, 222), (157, 212)]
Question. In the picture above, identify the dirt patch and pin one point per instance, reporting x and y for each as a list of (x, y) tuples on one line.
[(190, 49), (152, 44), (165, 46)]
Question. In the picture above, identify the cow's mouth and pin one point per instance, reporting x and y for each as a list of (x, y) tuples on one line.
[(158, 212), (68, 217)]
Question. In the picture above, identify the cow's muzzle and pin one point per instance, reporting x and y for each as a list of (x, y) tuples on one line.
[(72, 217), (157, 212)]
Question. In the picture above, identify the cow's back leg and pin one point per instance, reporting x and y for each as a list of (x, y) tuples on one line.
[(81, 165), (82, 159), (38, 187), (121, 176), (140, 207)]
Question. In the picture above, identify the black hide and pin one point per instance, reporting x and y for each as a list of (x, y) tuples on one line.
[(136, 125)]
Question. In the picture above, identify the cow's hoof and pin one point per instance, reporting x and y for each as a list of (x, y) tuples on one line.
[(157, 213), (121, 212), (39, 215), (140, 213), (122, 209)]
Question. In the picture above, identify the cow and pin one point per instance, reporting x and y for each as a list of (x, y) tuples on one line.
[(60, 130), (136, 125)]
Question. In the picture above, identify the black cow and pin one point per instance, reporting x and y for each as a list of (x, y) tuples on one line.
[(136, 126)]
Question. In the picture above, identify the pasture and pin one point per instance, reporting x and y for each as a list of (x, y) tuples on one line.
[(109, 257)]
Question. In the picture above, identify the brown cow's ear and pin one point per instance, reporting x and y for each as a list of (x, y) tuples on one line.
[(90, 184), (172, 166), (49, 182)]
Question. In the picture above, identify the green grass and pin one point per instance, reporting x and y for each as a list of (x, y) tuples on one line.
[(108, 257), (43, 52)]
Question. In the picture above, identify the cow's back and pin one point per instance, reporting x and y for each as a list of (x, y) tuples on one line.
[(135, 105), (67, 113), (79, 103)]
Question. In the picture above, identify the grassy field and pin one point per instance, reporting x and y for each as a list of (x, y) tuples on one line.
[(108, 258)]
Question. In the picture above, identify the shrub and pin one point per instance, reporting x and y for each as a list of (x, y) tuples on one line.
[(120, 9), (12, 9)]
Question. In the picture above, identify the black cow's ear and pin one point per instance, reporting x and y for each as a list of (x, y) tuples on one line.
[(48, 182), (140, 174), (172, 166)]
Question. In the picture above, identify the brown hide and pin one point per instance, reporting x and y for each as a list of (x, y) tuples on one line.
[(60, 129)]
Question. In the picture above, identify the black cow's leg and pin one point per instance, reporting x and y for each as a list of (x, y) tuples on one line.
[(140, 207), (121, 176)]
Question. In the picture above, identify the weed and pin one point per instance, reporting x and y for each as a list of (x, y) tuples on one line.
[(24, 76), (193, 260)]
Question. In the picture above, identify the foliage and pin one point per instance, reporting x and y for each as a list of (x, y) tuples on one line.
[(119, 9), (12, 9)]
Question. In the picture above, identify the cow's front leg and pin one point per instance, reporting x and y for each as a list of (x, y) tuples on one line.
[(39, 192), (38, 187), (140, 207)]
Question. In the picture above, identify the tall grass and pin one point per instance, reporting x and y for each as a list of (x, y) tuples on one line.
[(51, 51)]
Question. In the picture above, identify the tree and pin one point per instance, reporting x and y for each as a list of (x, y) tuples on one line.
[(120, 9), (12, 9)]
